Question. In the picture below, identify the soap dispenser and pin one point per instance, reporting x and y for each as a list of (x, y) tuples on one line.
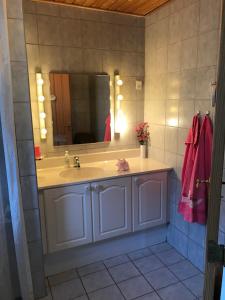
[(67, 159)]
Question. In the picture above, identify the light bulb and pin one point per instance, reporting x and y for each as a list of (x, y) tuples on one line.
[(119, 82), (40, 81), (44, 131), (120, 97), (42, 115), (41, 98)]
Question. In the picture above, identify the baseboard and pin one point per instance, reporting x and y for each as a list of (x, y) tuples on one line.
[(76, 257)]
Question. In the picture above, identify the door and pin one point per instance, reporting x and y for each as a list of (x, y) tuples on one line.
[(149, 199), (62, 125), (111, 208), (214, 270), (68, 217)]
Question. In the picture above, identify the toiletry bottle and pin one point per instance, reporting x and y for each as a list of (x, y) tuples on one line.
[(67, 159)]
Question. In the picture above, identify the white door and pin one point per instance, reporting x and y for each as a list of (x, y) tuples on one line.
[(149, 194), (68, 217), (111, 208)]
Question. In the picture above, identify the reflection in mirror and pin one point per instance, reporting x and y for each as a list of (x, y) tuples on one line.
[(80, 108)]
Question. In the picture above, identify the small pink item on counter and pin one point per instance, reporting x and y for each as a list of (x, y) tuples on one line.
[(122, 165), (37, 151)]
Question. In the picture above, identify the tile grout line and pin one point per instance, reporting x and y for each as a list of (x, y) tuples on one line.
[(114, 280), (141, 274)]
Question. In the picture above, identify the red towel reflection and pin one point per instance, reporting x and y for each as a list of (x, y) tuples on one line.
[(107, 137)]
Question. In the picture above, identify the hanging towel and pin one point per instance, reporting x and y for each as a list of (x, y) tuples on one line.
[(193, 205), (188, 163), (107, 137)]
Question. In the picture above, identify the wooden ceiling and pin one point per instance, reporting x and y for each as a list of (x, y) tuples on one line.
[(135, 7)]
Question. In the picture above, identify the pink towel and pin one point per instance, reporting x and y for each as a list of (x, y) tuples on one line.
[(193, 204), (107, 137)]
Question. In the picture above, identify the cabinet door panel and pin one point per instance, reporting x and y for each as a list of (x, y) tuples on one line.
[(68, 217), (111, 205), (149, 200)]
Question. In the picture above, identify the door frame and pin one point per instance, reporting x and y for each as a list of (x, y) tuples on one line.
[(213, 271)]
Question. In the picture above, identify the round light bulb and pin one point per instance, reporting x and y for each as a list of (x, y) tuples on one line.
[(120, 97), (40, 81), (42, 115), (41, 98), (119, 82), (44, 131)]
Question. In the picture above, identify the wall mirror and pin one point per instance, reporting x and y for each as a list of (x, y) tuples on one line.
[(80, 106)]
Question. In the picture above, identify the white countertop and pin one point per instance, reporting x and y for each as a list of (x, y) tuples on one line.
[(55, 177)]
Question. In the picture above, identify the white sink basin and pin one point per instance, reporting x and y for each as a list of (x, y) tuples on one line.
[(84, 172)]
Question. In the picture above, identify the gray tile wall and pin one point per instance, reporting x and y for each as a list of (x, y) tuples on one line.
[(181, 51), (22, 135), (60, 38)]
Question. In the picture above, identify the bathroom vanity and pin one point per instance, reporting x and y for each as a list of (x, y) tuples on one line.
[(96, 202)]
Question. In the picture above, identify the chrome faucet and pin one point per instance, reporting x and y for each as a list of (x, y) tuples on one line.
[(76, 161)]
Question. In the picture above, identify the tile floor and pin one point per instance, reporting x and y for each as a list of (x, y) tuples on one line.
[(154, 273)]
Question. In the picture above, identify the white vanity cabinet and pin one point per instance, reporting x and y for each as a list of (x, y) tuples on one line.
[(90, 212), (149, 200), (68, 217), (111, 208)]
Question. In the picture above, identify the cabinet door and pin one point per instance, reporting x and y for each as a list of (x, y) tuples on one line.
[(149, 194), (68, 217), (111, 208)]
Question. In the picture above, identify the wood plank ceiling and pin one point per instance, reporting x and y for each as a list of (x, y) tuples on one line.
[(135, 7)]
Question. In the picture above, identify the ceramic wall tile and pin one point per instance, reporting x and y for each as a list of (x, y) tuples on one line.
[(20, 81), (174, 85), (31, 30), (33, 58), (205, 76), (174, 57), (32, 225), (157, 136), (171, 139), (172, 113), (175, 27), (208, 49), (49, 30), (29, 6), (47, 9), (14, 9), (209, 15), (190, 21), (93, 60), (73, 60), (29, 192), (26, 158), (70, 32), (16, 40), (186, 113), (189, 50), (22, 117)]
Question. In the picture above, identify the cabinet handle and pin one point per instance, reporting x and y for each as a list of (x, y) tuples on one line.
[(137, 180), (88, 189), (98, 188)]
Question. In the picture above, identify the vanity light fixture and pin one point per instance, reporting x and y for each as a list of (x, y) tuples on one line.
[(120, 97), (41, 98), (119, 116), (41, 108), (42, 115), (119, 82)]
